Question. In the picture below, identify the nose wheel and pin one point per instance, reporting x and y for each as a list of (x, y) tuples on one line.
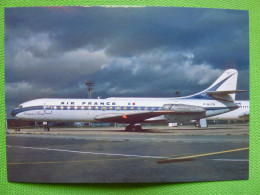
[(46, 128)]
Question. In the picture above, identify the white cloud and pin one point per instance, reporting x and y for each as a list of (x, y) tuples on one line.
[(20, 86), (87, 62), (178, 65), (26, 63), (26, 90), (37, 50)]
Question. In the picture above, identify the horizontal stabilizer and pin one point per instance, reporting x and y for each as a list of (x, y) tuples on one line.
[(224, 92), (224, 95)]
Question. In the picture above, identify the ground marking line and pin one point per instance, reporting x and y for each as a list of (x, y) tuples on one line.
[(199, 155), (230, 159), (75, 161), (98, 160), (213, 153), (129, 155), (97, 153)]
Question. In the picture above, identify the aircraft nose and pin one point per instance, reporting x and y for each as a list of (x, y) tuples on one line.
[(13, 113)]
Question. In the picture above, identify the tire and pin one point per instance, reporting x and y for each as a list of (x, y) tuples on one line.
[(128, 128), (197, 125), (138, 128)]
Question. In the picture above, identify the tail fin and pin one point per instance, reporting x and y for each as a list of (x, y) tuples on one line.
[(226, 82), (224, 88)]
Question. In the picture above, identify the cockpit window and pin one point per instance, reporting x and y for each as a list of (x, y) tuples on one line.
[(20, 106)]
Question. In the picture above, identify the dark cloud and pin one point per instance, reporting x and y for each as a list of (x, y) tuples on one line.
[(50, 51), (129, 31)]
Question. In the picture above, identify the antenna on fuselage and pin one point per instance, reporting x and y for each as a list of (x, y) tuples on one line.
[(89, 85), (177, 93)]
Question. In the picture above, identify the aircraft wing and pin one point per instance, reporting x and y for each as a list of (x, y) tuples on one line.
[(133, 117), (169, 110)]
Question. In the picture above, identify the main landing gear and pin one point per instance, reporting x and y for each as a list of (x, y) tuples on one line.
[(46, 128), (132, 127), (197, 124), (201, 123)]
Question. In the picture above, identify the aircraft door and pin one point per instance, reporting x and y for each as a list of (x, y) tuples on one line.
[(47, 109)]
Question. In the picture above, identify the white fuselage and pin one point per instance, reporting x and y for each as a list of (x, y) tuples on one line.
[(242, 113), (86, 110)]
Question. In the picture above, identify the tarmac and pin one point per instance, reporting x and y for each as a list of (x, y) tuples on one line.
[(112, 155)]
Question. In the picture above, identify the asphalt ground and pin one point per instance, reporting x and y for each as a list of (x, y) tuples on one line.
[(111, 155)]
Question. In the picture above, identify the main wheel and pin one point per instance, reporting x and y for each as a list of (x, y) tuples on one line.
[(138, 128), (197, 124), (129, 128)]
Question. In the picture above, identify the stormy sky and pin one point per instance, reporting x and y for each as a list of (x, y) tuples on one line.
[(128, 52)]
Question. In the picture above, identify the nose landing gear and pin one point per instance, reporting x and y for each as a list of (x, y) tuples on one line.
[(46, 128)]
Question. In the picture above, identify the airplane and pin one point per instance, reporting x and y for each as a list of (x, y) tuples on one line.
[(240, 114), (217, 99)]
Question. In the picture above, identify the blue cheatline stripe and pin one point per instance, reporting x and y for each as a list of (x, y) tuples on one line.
[(16, 111), (108, 108)]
